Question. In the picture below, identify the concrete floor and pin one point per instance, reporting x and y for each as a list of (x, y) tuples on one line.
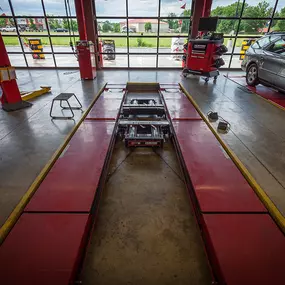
[(28, 137), (145, 233), (163, 219)]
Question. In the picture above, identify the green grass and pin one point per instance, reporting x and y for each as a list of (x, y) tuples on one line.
[(120, 42), (149, 42)]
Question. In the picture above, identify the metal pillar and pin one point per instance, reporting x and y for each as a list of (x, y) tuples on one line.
[(81, 19), (85, 47), (91, 27), (11, 98), (207, 8), (198, 13)]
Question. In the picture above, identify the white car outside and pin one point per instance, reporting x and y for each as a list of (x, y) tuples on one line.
[(8, 29)]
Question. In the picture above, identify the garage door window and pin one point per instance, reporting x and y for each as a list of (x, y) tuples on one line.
[(144, 32)]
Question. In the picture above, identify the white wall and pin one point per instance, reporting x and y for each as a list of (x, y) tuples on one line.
[(164, 28), (154, 28)]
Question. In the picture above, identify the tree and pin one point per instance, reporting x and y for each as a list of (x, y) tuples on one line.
[(261, 10), (106, 27), (186, 23), (32, 24), (147, 27), (116, 28), (74, 25), (2, 22), (65, 24), (173, 23), (280, 25), (53, 23), (232, 10)]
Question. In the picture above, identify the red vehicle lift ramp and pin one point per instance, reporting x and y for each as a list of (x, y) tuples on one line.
[(179, 107), (47, 243), (43, 249), (245, 249), (243, 243), (105, 108), (218, 184), (71, 184)]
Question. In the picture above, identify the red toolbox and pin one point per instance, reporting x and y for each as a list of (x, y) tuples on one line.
[(204, 57)]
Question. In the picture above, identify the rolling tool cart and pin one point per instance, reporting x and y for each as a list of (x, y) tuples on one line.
[(204, 54)]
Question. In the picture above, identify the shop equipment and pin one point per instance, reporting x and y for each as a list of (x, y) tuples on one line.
[(11, 98), (65, 97), (86, 59), (204, 53), (35, 45), (28, 95), (109, 49)]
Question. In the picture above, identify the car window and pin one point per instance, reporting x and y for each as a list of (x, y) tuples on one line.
[(278, 47), (264, 41)]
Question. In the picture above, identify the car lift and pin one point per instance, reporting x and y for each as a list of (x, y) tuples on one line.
[(28, 95), (47, 244), (143, 120), (11, 98)]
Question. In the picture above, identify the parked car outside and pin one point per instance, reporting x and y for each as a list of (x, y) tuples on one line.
[(8, 29), (264, 61), (125, 29), (61, 30)]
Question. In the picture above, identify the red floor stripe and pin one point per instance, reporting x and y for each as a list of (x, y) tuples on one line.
[(263, 91)]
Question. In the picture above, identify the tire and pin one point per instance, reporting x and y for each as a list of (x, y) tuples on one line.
[(185, 72), (252, 75)]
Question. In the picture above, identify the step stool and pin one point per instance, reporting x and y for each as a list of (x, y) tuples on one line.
[(64, 97)]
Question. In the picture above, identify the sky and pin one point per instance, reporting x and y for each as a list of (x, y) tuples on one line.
[(142, 8)]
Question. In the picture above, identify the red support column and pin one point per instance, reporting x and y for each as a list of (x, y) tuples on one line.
[(81, 19), (197, 14), (85, 47), (91, 27), (11, 98), (207, 8)]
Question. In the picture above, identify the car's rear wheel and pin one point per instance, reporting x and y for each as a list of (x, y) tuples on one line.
[(252, 75)]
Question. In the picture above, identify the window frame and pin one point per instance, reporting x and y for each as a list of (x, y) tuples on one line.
[(158, 36)]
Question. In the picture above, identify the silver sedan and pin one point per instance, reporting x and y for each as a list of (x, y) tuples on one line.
[(264, 61)]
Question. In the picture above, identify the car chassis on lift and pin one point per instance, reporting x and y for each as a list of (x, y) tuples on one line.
[(143, 122)]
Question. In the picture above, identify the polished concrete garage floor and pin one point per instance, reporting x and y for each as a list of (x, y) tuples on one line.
[(145, 232)]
